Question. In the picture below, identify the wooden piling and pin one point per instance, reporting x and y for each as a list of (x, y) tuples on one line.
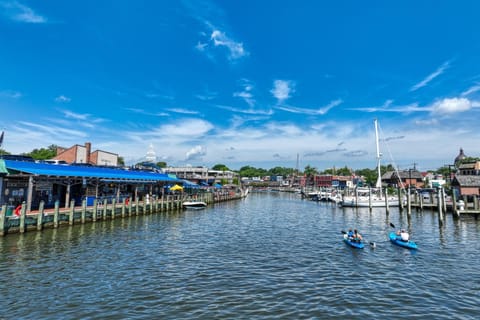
[(71, 213), (137, 209), (84, 211), (40, 215), (387, 208), (409, 203), (114, 202), (439, 206), (56, 212), (104, 209), (456, 213), (123, 208), (3, 218), (94, 212)]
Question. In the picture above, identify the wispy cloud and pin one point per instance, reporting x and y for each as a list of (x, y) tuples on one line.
[(431, 76), (16, 11), (320, 111), (10, 94), (235, 48), (77, 116), (266, 112), (145, 112), (389, 107), (246, 93), (182, 111), (471, 90), (63, 99), (282, 90)]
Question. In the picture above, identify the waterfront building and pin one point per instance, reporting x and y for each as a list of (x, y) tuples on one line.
[(82, 154), (203, 175)]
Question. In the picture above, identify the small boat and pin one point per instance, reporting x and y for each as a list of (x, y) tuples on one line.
[(352, 243), (395, 239), (194, 205)]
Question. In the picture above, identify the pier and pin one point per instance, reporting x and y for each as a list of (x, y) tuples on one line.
[(101, 210)]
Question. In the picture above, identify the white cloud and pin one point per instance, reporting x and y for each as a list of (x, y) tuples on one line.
[(431, 76), (182, 111), (320, 111), (196, 153), (77, 116), (282, 89), (471, 90), (246, 94), (235, 48), (62, 98), (451, 105), (21, 13)]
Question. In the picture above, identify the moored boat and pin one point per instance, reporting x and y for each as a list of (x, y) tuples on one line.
[(194, 205), (396, 239)]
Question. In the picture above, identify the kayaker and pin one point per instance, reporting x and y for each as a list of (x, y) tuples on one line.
[(404, 235), (350, 233), (357, 237)]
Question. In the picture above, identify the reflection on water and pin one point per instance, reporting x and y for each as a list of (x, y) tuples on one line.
[(271, 255)]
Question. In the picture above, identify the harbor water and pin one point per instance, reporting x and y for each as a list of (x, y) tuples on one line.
[(269, 256)]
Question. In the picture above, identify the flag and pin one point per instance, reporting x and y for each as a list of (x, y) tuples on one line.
[(1, 138)]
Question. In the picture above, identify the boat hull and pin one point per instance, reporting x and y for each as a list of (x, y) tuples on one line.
[(353, 244), (405, 244), (194, 205)]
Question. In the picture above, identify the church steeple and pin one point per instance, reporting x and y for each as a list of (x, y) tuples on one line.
[(151, 156), (460, 157)]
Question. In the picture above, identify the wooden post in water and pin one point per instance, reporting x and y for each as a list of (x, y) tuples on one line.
[(387, 208), (123, 208), (94, 213), (136, 206), (23, 213), (114, 207), (439, 206), (456, 214), (475, 203), (400, 202), (56, 212), (3, 217), (420, 201), (370, 197), (40, 215), (130, 206), (444, 201), (71, 212), (105, 201), (409, 203), (84, 210)]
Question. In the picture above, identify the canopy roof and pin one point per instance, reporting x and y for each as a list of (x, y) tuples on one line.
[(58, 170)]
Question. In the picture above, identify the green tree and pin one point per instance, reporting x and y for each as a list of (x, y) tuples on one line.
[(161, 164), (121, 161), (220, 167), (4, 152), (43, 153)]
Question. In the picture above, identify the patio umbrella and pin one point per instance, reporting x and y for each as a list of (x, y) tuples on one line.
[(176, 188)]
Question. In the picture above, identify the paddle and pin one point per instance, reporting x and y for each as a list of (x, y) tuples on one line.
[(392, 225)]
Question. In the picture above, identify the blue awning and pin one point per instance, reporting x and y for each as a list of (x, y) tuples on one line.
[(107, 174)]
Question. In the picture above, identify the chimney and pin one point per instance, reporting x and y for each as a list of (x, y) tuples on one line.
[(88, 147)]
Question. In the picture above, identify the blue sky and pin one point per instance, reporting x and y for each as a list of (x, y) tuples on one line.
[(244, 82)]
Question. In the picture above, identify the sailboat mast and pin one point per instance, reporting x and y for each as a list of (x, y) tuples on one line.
[(379, 177)]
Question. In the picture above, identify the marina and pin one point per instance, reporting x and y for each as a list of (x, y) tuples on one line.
[(270, 255)]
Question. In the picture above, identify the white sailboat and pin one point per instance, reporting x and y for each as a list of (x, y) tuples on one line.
[(371, 197)]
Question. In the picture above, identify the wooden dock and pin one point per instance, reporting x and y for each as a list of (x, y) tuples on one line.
[(100, 210)]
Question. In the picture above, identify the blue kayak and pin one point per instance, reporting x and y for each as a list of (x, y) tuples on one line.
[(351, 243), (395, 239)]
